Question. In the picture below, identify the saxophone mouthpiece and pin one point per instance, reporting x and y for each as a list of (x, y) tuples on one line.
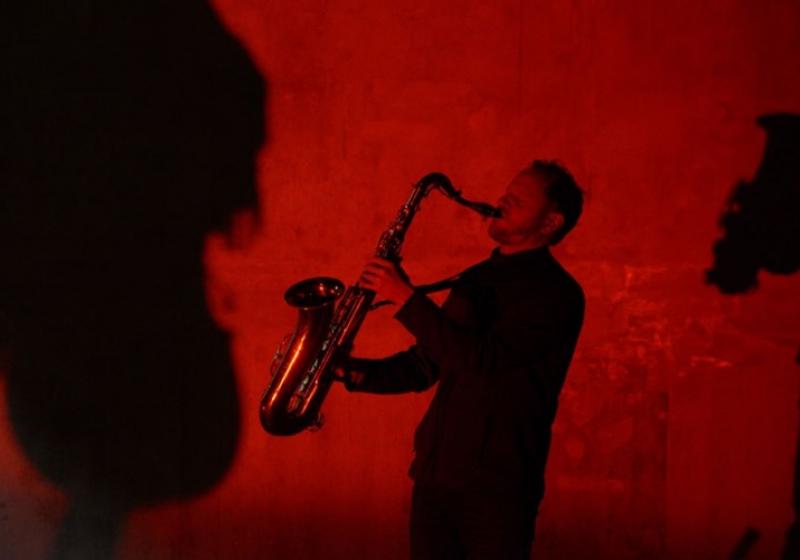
[(490, 211), (484, 209)]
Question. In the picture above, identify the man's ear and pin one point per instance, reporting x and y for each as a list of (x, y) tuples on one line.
[(552, 223)]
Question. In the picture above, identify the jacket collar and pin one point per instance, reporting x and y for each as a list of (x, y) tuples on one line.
[(539, 254)]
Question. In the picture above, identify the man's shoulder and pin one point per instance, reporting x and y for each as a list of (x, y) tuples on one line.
[(566, 284), (535, 279)]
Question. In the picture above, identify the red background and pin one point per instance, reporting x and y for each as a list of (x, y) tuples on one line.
[(678, 421)]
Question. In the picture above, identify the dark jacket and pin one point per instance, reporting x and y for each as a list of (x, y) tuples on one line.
[(499, 347)]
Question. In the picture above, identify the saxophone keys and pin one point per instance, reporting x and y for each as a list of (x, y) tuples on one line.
[(317, 424)]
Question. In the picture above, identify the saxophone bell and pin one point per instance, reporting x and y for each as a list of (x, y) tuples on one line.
[(291, 402)]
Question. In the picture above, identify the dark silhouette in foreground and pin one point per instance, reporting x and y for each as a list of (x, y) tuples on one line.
[(762, 229), (133, 129), (745, 544), (762, 232)]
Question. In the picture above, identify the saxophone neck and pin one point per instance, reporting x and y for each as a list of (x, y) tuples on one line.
[(440, 181), (392, 239), (443, 183)]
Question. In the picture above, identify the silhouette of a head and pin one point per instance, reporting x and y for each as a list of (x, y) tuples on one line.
[(134, 128), (762, 228)]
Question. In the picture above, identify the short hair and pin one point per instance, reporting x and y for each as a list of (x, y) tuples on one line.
[(563, 191)]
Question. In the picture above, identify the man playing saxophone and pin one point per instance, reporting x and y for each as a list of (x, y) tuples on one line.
[(499, 349)]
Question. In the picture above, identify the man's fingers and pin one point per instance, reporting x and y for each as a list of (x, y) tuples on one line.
[(371, 274), (380, 263), (376, 273), (377, 267)]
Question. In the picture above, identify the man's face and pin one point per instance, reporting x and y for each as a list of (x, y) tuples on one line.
[(527, 214)]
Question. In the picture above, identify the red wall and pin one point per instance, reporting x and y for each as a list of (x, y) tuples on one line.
[(678, 421)]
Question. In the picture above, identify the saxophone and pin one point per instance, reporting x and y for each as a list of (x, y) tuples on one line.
[(302, 368)]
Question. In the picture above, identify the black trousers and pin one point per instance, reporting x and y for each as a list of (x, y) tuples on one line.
[(473, 524)]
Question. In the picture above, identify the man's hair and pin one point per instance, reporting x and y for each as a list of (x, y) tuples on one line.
[(561, 190)]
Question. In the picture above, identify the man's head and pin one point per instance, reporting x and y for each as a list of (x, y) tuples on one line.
[(540, 206)]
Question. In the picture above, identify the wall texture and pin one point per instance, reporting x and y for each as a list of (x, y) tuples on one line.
[(678, 421)]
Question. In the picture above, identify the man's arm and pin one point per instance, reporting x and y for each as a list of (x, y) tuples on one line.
[(403, 372), (518, 341)]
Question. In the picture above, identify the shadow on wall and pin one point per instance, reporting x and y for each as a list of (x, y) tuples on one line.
[(133, 128), (762, 231)]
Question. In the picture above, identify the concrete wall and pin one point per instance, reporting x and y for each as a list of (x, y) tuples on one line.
[(678, 421)]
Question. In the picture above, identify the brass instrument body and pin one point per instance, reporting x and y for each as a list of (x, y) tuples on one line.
[(291, 402), (302, 369)]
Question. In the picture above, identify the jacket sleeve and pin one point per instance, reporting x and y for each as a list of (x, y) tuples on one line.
[(524, 336), (403, 372)]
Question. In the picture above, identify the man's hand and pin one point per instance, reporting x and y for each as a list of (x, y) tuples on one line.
[(342, 374), (385, 279)]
